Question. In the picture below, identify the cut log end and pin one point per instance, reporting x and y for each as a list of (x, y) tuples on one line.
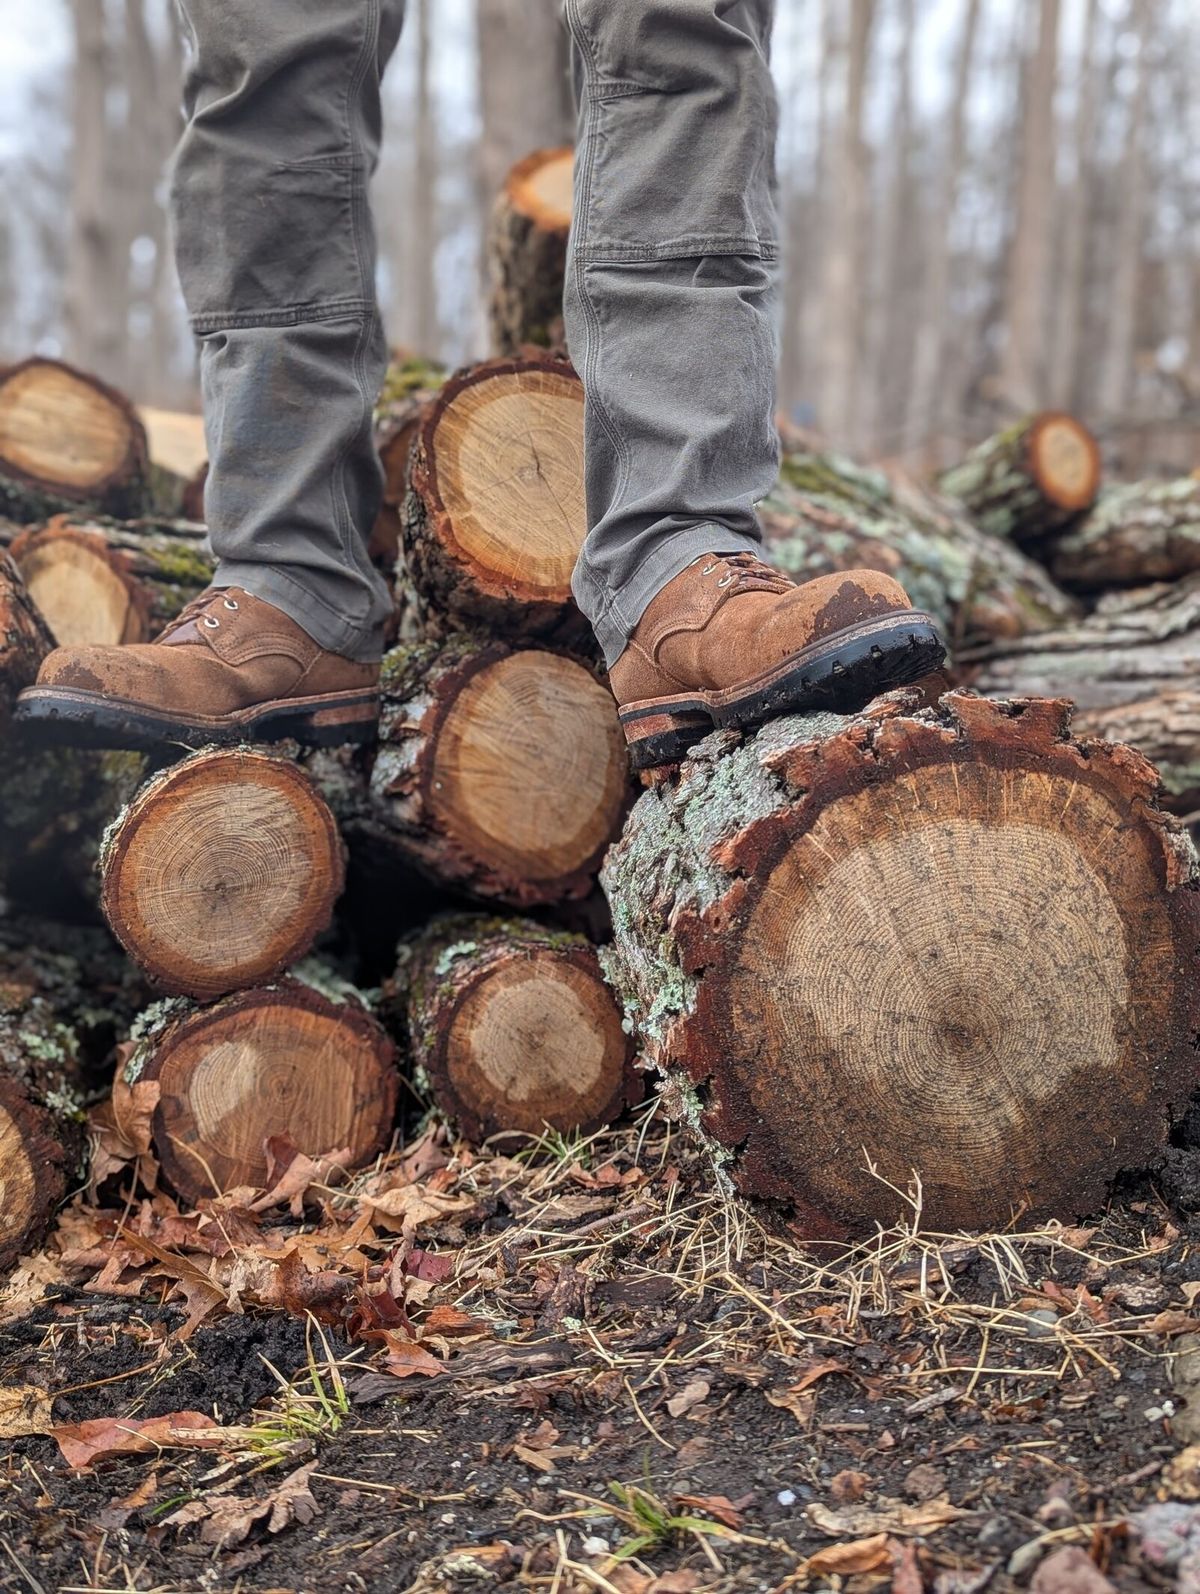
[(514, 1028), (961, 962), (284, 1061), (32, 1173), (221, 872), (68, 437), (495, 517), (1065, 461), (540, 188), (80, 587)]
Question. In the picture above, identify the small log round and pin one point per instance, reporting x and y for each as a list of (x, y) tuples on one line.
[(501, 772), (1137, 532), (42, 1135), (106, 583), (513, 1027), (286, 1061), (1030, 480), (66, 439), (952, 946), (494, 517), (221, 872), (24, 637), (527, 252)]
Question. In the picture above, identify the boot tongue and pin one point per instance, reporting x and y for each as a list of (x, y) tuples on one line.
[(187, 626)]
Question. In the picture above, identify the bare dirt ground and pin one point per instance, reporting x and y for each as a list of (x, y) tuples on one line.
[(584, 1367)]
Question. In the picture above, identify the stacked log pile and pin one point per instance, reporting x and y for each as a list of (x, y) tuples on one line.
[(944, 947)]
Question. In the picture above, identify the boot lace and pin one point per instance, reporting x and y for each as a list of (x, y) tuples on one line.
[(745, 572), (197, 609)]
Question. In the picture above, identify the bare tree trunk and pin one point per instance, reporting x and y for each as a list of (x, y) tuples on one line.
[(1117, 366), (842, 286), (524, 89), (934, 318), (93, 327), (894, 216), (1023, 362), (424, 230), (1062, 384)]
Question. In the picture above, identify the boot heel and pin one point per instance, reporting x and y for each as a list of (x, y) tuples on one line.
[(660, 736)]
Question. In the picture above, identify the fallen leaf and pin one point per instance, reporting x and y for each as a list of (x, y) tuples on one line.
[(906, 1574), (294, 1173), (406, 1359), (120, 1131), (886, 1516), (449, 1320), (84, 1443), (1070, 1571), (24, 1409), (818, 1370), (434, 1266), (861, 1555), (407, 1207), (1167, 1323), (715, 1505), (849, 1486), (227, 1519), (690, 1395)]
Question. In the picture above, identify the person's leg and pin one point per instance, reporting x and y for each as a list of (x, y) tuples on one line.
[(670, 302), (276, 255), (671, 290)]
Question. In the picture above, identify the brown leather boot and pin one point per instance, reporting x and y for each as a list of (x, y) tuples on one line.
[(229, 668), (732, 642)]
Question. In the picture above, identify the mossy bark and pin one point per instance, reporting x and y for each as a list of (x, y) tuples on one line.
[(827, 513), (1029, 480), (1137, 532)]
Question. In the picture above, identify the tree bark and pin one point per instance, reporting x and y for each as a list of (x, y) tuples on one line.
[(107, 582), (511, 1027), (1138, 532), (1131, 668), (828, 514), (1123, 297), (872, 950), (222, 872), (42, 1138), (410, 385), (524, 86), (1069, 316), (527, 252), (68, 441), (25, 639), (501, 772), (1029, 480), (297, 1061), (495, 516)]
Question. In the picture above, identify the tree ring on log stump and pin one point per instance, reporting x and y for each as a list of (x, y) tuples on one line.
[(221, 872), (283, 1061), (541, 187), (530, 771), (80, 588), (952, 946), (68, 433), (1065, 460)]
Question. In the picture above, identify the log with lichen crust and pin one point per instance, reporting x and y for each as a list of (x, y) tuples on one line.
[(1029, 480), (1137, 533), (106, 581), (221, 872), (410, 385), (953, 944), (827, 513), (494, 517), (42, 1135), (511, 1027), (25, 638), (527, 252), (501, 771), (68, 442), (1130, 667), (302, 1061)]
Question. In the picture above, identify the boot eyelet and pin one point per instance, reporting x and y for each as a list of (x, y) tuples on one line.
[(230, 603), (211, 623), (708, 570), (725, 580)]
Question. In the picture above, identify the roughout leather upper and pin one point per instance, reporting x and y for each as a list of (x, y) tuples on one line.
[(226, 651), (727, 618)]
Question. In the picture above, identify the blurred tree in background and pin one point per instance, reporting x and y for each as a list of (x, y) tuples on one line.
[(988, 204)]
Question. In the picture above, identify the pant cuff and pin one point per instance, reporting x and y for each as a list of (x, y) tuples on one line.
[(614, 615), (359, 640)]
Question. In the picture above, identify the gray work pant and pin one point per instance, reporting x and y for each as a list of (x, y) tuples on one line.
[(669, 307)]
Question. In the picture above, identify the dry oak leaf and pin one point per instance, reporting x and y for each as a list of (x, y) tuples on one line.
[(690, 1395), (860, 1555), (24, 1409), (227, 1520), (720, 1506), (100, 1438), (885, 1516), (120, 1131), (293, 1172), (410, 1205), (406, 1359)]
